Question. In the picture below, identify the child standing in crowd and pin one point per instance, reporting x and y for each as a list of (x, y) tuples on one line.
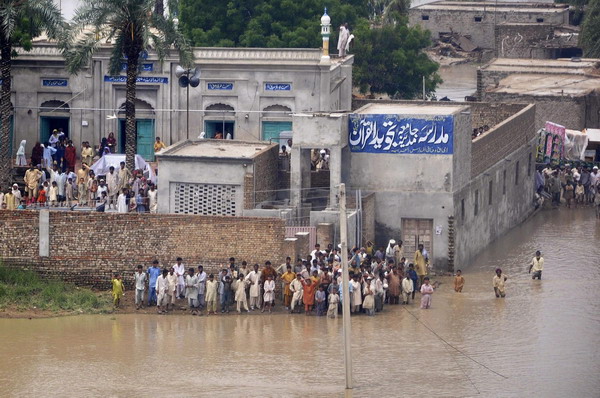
[(140, 286), (334, 299), (41, 199), (459, 282), (53, 194), (297, 289), (211, 295), (240, 294), (269, 295), (408, 289), (369, 301), (321, 299), (426, 292), (69, 192), (118, 290), (308, 295), (82, 191)]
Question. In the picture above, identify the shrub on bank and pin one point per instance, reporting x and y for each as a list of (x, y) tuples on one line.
[(25, 289)]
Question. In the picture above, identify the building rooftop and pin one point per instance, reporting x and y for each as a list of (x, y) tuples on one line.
[(553, 66), (503, 7), (426, 108), (547, 85), (209, 148)]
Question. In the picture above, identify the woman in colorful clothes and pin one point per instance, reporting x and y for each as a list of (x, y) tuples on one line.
[(308, 295), (426, 292), (394, 285)]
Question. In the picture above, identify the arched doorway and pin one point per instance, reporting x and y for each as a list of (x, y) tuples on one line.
[(220, 118), (277, 124), (54, 115), (145, 129)]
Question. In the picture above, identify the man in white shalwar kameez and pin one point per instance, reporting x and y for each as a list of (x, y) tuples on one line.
[(297, 289), (356, 296), (112, 181), (180, 272), (201, 287), (254, 278), (343, 41)]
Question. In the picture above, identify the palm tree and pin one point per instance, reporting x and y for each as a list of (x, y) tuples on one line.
[(133, 27), (20, 21)]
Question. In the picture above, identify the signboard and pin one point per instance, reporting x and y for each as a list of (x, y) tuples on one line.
[(144, 67), (220, 86), (55, 82), (278, 86), (555, 149), (140, 79), (394, 134)]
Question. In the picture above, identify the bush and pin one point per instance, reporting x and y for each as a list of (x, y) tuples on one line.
[(25, 290)]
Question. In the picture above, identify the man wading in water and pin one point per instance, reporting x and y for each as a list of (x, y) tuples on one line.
[(537, 265)]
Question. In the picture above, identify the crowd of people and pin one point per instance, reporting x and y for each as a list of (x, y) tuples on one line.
[(53, 179), (311, 285), (575, 185)]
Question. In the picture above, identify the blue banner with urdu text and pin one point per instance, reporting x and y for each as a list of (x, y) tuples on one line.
[(393, 134)]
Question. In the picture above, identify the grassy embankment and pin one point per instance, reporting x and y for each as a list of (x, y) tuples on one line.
[(22, 290)]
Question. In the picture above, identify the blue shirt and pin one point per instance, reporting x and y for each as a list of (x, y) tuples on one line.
[(412, 274), (154, 272)]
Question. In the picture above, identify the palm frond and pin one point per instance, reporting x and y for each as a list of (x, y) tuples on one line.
[(116, 57), (46, 16), (81, 53)]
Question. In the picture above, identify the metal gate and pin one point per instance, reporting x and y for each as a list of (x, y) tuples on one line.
[(290, 232), (417, 231)]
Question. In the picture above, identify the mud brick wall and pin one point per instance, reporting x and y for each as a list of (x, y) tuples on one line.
[(87, 248), (491, 114), (266, 172), (502, 140)]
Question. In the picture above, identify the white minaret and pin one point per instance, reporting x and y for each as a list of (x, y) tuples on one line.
[(325, 33)]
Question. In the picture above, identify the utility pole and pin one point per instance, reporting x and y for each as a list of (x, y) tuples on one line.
[(345, 287)]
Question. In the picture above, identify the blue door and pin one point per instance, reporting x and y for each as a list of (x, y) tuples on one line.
[(271, 130)]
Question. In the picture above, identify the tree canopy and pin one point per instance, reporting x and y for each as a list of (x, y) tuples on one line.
[(388, 54), (20, 21), (589, 38)]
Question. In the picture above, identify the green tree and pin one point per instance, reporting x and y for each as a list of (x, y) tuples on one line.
[(20, 21), (390, 59), (263, 23), (589, 38), (134, 28)]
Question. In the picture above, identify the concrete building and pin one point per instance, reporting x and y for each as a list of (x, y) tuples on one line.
[(565, 91), (249, 93), (432, 183), (478, 20), (216, 177)]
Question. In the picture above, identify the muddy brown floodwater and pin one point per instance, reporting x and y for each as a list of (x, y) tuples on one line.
[(542, 340)]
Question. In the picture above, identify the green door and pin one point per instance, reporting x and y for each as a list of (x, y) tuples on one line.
[(49, 123), (271, 130), (145, 138)]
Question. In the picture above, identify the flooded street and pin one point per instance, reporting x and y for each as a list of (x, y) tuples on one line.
[(459, 81), (542, 340)]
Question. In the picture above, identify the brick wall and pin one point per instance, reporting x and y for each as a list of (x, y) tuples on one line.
[(491, 114), (502, 140), (86, 248), (266, 171)]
